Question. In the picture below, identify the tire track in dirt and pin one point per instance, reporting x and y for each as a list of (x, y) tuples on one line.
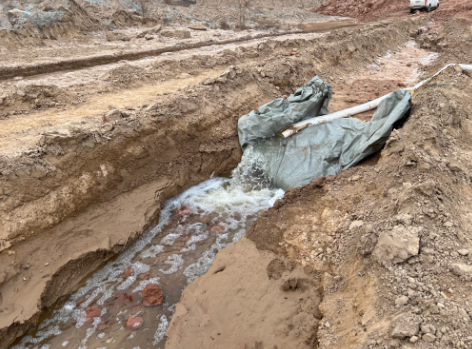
[(8, 72)]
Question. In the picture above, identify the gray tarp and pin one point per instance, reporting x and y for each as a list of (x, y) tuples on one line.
[(319, 150), (308, 101)]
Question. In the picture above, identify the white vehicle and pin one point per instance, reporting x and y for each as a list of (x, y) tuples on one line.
[(427, 5)]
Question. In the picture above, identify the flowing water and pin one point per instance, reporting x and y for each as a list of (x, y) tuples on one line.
[(192, 227)]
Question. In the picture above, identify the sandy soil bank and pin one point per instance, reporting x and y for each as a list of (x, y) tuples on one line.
[(247, 299)]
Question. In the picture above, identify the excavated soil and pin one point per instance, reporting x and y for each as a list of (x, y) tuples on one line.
[(385, 243), (375, 257), (369, 10), (67, 173)]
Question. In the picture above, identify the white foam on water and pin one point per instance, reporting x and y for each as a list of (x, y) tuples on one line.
[(204, 262), (152, 251), (229, 203), (144, 283), (138, 269), (170, 239), (89, 332), (175, 261), (161, 330), (191, 243)]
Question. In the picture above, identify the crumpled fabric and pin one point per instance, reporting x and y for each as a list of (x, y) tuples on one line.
[(308, 101), (318, 150)]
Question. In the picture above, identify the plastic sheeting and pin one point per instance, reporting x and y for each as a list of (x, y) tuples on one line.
[(308, 101), (320, 150)]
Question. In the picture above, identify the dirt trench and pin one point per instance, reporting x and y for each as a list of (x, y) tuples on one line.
[(61, 194), (44, 66), (386, 243)]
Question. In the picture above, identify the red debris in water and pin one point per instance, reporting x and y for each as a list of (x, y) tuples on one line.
[(125, 297), (134, 322), (93, 311), (128, 272), (152, 295), (184, 211)]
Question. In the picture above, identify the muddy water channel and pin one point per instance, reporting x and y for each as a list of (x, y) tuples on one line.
[(107, 310)]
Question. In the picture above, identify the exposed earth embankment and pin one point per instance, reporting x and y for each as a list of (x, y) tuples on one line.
[(75, 192)]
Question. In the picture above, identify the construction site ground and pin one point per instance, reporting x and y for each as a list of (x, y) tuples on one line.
[(99, 128)]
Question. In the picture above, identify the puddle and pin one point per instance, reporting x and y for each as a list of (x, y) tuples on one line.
[(403, 65), (394, 70), (192, 227)]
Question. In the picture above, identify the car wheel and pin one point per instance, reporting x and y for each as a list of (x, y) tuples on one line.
[(428, 9), (412, 11)]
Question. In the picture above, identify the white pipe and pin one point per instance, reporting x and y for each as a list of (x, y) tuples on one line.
[(357, 109)]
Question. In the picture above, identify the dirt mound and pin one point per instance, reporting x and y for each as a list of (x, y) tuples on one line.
[(453, 8), (30, 23), (453, 40), (286, 316), (391, 241), (124, 74), (20, 15), (364, 10), (370, 10)]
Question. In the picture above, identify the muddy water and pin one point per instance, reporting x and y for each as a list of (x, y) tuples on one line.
[(192, 226)]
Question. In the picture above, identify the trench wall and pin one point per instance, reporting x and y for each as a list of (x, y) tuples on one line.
[(180, 139)]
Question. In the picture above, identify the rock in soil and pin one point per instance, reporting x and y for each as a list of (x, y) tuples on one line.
[(125, 297), (406, 325), (177, 33), (217, 229), (397, 245), (197, 26)]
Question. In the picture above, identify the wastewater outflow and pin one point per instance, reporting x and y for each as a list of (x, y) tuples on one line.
[(192, 227)]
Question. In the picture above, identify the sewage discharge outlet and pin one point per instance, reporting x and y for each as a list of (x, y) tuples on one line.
[(110, 310)]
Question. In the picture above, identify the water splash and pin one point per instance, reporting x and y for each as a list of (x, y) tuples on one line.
[(250, 173)]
